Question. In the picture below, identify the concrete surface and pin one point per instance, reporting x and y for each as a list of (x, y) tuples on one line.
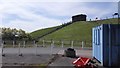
[(45, 55), (62, 62), (48, 50)]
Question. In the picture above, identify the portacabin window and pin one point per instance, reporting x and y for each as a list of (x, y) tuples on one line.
[(97, 36)]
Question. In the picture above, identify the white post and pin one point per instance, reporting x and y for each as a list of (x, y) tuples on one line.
[(24, 44), (82, 44), (2, 43), (19, 50), (62, 44), (43, 43), (52, 45), (34, 43), (72, 44), (36, 49), (51, 49), (2, 47), (13, 44), (2, 50)]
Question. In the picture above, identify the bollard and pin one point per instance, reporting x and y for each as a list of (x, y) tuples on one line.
[(72, 43)]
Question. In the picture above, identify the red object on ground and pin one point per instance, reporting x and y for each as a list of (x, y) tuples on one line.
[(81, 62)]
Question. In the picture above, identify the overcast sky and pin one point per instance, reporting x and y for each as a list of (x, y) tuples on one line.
[(31, 15)]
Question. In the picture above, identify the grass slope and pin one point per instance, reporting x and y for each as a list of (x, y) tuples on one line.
[(81, 31), (41, 32)]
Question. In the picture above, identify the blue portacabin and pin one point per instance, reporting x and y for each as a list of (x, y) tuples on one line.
[(106, 44)]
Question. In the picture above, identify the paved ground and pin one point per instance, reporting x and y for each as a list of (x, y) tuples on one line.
[(40, 50), (83, 53), (62, 62), (27, 59), (45, 56), (48, 50)]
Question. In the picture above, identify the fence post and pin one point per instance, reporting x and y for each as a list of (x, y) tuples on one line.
[(13, 44), (20, 54), (43, 43), (36, 49), (62, 44), (2, 49), (34, 42), (82, 44), (2, 44), (24, 44), (72, 43), (52, 45)]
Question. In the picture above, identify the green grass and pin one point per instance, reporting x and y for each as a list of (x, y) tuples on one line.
[(41, 32), (81, 31), (78, 31)]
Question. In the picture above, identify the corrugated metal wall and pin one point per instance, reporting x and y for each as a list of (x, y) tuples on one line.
[(106, 44)]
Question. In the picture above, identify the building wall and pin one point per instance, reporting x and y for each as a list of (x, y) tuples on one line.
[(79, 18)]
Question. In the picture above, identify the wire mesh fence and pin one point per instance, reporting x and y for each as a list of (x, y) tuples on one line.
[(47, 43), (41, 47)]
